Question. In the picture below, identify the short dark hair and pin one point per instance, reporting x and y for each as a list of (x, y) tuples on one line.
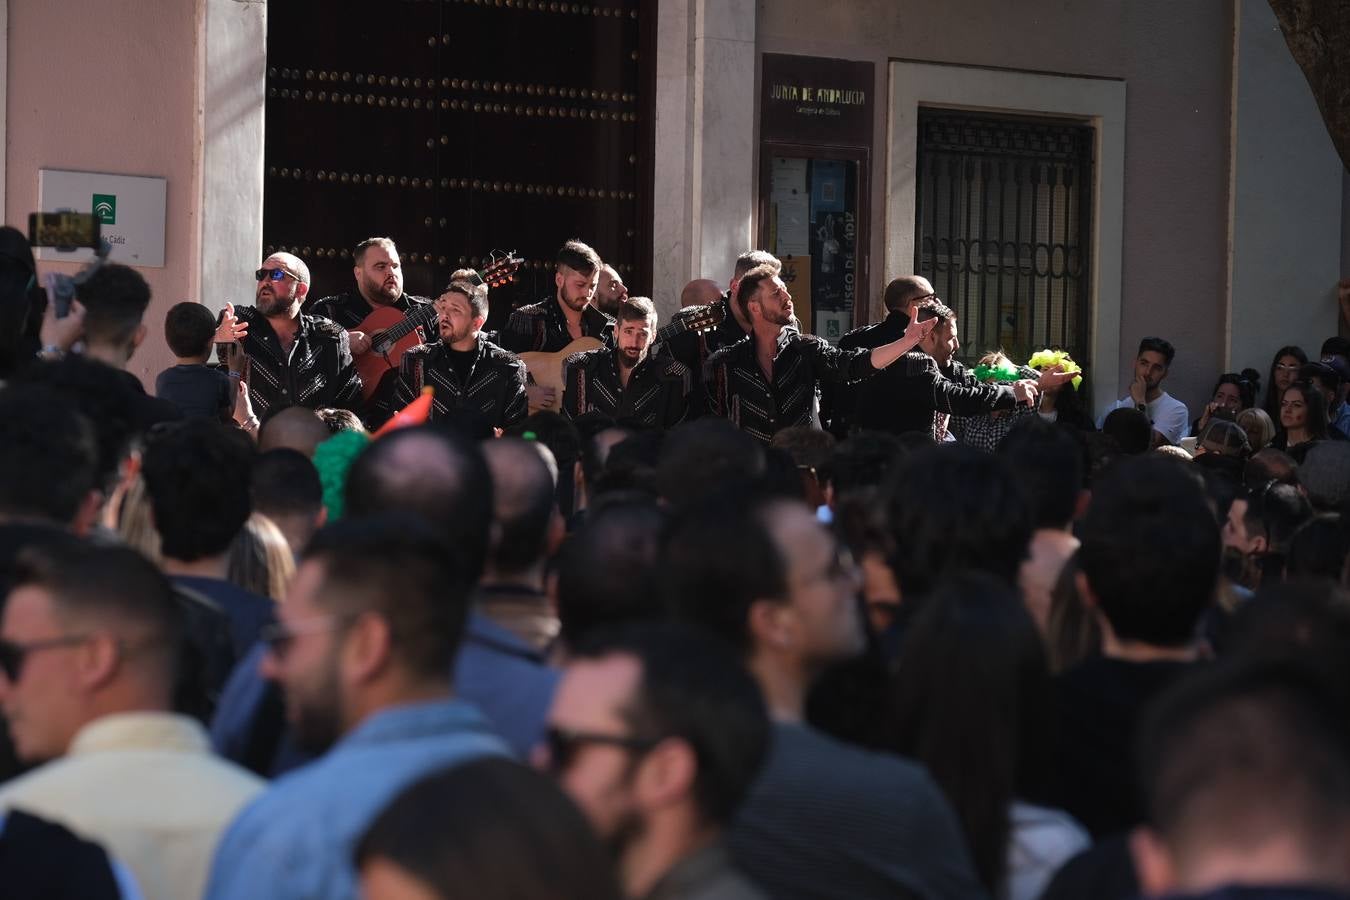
[(560, 436), (197, 474), (1050, 463), (951, 509), (359, 253), (900, 292), (396, 566), (48, 455), (285, 482), (1157, 345), (523, 498), (112, 584), (115, 298), (1248, 744), (469, 284), (694, 688), (189, 328), (863, 461), (750, 283), (578, 257), (753, 259), (1336, 346), (1131, 429), (1151, 550), (1320, 372), (935, 309), (607, 571), (701, 457), (636, 309), (1276, 511), (1318, 549), (451, 489), (514, 834), (337, 420), (719, 557)]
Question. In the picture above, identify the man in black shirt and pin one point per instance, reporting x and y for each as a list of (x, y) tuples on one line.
[(294, 358), (693, 348), (927, 387), (465, 370), (626, 383), (767, 381), (379, 285), (554, 322)]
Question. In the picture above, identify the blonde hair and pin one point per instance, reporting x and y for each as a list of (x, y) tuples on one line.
[(260, 560), (1258, 420), (135, 524)]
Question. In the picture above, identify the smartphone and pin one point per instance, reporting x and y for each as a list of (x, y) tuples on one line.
[(63, 230)]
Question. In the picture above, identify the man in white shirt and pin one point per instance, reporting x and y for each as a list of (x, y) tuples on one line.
[(1171, 421), (89, 642)]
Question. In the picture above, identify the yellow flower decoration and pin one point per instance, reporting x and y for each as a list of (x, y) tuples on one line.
[(1047, 359)]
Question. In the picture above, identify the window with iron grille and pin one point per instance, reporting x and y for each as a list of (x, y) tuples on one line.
[(1004, 229)]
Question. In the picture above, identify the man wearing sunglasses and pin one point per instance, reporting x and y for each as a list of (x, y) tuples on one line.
[(89, 645), (657, 732), (294, 359), (363, 652)]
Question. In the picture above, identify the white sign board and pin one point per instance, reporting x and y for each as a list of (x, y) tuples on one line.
[(130, 209)]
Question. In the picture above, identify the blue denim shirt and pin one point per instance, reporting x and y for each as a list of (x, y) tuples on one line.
[(496, 671), (296, 840)]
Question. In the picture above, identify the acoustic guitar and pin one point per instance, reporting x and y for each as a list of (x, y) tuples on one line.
[(393, 332), (546, 369)]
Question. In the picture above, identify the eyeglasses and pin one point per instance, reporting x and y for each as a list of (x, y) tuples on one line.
[(13, 655), (564, 743), (1285, 367), (279, 637), (272, 275)]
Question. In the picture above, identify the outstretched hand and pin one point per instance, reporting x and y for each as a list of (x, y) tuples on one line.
[(920, 330), (230, 330), (1054, 378)]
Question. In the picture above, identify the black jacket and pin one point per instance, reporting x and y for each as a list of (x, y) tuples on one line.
[(495, 386), (318, 373), (657, 395), (542, 326)]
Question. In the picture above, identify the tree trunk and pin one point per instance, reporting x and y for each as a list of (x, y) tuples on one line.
[(1318, 35)]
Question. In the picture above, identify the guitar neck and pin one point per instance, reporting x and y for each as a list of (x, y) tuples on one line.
[(423, 315)]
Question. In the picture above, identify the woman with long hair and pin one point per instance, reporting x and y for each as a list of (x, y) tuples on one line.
[(972, 702), (1303, 417), (260, 561), (1283, 372), (1233, 393)]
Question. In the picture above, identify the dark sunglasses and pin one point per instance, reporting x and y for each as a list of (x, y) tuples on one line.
[(272, 275), (12, 655), (564, 743)]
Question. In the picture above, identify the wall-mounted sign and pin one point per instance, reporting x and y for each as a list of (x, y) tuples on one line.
[(811, 100), (130, 210)]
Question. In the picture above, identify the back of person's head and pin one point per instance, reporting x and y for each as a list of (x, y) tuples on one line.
[(630, 465), (608, 571), (560, 436), (1321, 375), (1150, 550), (1245, 770), (863, 460), (523, 504), (1223, 438), (970, 698), (48, 456), (1049, 463), (1301, 620), (1335, 346), (295, 427), (699, 458), (104, 398), (285, 485), (1270, 465), (693, 689), (397, 567), (1276, 511), (115, 298), (1318, 549), (514, 835), (337, 420), (718, 558), (1072, 630), (1131, 430), (1256, 422), (197, 473), (19, 298), (902, 291), (431, 473), (113, 592), (1158, 345), (189, 328), (809, 447), (1325, 475), (952, 509), (260, 560)]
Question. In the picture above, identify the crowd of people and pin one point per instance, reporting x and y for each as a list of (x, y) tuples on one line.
[(723, 612)]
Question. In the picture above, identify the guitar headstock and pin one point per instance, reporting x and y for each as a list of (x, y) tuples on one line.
[(705, 319), (502, 270)]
